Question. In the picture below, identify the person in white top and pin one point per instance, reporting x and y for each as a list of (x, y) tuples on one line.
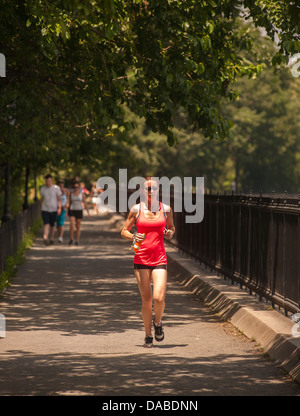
[(50, 206), (76, 201)]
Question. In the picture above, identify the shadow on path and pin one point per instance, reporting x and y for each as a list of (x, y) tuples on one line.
[(74, 327)]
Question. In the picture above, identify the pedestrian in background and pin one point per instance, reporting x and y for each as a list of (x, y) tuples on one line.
[(84, 189), (95, 192), (60, 219), (51, 207), (76, 202)]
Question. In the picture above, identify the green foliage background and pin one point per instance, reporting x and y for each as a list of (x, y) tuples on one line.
[(169, 87)]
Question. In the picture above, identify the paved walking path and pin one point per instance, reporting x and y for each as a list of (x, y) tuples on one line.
[(74, 328)]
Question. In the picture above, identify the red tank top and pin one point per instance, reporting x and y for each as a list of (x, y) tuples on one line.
[(152, 251)]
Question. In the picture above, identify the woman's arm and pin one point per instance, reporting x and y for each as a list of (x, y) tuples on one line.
[(130, 221), (59, 205), (170, 223)]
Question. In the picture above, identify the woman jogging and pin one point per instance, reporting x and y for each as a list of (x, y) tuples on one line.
[(76, 200), (154, 221)]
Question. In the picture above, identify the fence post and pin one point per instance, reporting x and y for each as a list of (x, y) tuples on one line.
[(272, 251), (25, 203), (298, 246), (283, 253), (249, 242), (6, 213)]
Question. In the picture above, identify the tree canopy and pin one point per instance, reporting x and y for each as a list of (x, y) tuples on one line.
[(262, 153), (74, 66)]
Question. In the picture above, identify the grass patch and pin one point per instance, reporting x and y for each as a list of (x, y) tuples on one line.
[(12, 262)]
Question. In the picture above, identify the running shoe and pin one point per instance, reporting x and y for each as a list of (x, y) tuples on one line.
[(159, 333), (148, 341), (70, 242)]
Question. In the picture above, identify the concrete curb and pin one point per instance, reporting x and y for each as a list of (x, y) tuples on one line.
[(269, 328)]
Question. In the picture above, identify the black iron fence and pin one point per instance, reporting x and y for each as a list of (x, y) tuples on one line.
[(12, 231), (253, 240)]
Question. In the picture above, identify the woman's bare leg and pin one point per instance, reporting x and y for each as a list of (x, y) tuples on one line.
[(78, 222), (72, 227), (46, 231), (159, 278), (60, 231), (143, 277)]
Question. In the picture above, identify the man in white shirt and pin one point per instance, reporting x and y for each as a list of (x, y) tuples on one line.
[(51, 206)]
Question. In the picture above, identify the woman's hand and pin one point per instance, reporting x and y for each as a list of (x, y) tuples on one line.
[(169, 234), (139, 237)]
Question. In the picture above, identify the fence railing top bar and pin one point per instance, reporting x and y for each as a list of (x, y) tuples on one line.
[(273, 200), (292, 201)]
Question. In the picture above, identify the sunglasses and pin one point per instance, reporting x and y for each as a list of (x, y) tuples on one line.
[(155, 188)]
